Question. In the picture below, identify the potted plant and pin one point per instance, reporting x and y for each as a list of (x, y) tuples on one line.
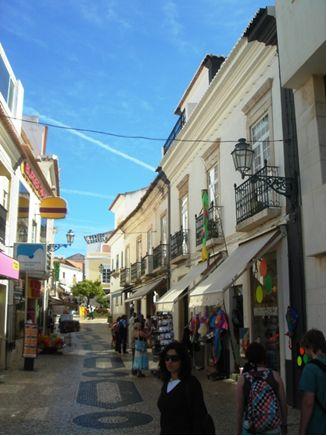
[(49, 344)]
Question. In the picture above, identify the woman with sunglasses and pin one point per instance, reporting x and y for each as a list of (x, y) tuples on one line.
[(181, 401)]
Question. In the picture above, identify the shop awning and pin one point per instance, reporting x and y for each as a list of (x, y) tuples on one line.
[(210, 291), (142, 291), (9, 267), (167, 301)]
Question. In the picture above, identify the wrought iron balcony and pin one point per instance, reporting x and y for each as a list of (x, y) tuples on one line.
[(214, 225), (124, 277), (3, 219), (160, 256), (177, 128), (255, 194), (179, 244), (135, 272)]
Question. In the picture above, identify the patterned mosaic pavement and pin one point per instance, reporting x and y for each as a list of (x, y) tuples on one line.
[(89, 389)]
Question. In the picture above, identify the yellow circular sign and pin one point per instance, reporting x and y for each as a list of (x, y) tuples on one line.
[(259, 294), (53, 208)]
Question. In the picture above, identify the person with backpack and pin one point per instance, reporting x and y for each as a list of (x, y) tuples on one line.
[(260, 396), (313, 384), (181, 403)]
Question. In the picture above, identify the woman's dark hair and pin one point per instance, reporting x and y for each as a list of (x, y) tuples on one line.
[(255, 353), (315, 340), (185, 367)]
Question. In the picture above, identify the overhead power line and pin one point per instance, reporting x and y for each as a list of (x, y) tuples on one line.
[(116, 135)]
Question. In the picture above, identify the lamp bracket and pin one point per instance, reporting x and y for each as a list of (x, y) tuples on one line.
[(55, 247)]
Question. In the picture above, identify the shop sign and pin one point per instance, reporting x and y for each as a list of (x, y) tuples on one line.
[(31, 257), (34, 288), (265, 311), (30, 340), (9, 267), (53, 208), (34, 181)]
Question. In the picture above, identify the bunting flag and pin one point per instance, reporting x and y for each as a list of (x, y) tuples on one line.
[(205, 228)]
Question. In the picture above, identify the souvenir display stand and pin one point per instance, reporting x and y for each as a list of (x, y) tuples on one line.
[(163, 333)]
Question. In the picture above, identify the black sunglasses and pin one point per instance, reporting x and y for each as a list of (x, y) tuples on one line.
[(172, 358)]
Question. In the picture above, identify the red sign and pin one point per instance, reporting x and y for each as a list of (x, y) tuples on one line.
[(33, 179), (34, 288)]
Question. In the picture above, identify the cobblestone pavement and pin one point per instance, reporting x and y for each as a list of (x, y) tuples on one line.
[(89, 389)]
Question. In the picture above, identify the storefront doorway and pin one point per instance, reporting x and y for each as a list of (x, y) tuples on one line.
[(264, 296)]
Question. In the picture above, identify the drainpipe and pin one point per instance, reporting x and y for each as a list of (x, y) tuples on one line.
[(294, 237), (165, 179)]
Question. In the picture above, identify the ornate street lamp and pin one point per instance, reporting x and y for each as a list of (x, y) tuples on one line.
[(243, 157), (70, 235)]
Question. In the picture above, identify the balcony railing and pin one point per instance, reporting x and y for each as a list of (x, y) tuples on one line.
[(135, 271), (214, 225), (179, 244), (160, 256), (124, 277), (254, 195), (147, 265), (177, 128), (3, 219)]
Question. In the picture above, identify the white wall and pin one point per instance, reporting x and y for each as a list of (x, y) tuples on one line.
[(301, 27)]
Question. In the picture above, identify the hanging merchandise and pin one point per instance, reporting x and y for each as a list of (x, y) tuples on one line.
[(259, 294), (221, 325), (292, 318), (263, 267), (268, 284)]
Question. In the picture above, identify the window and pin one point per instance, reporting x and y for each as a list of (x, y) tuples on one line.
[(149, 242), (122, 259), (184, 212), (34, 230), (212, 180), (138, 250), (127, 260), (43, 233), (106, 274), (113, 264), (117, 262), (260, 144), (163, 229)]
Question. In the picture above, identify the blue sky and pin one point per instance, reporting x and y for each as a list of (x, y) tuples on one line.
[(112, 65)]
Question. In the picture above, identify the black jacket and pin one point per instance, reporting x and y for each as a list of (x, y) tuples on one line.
[(182, 409)]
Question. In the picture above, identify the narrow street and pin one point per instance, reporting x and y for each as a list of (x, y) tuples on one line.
[(90, 390)]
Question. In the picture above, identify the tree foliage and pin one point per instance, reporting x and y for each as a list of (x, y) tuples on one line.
[(88, 289)]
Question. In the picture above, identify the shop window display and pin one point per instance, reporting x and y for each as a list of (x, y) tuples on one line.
[(265, 307)]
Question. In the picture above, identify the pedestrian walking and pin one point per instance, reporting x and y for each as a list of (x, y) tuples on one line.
[(140, 360), (115, 334), (131, 323), (181, 402), (260, 396), (122, 332), (91, 312), (313, 384), (136, 327)]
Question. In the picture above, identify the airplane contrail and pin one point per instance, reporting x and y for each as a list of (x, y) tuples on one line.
[(97, 142), (87, 193)]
